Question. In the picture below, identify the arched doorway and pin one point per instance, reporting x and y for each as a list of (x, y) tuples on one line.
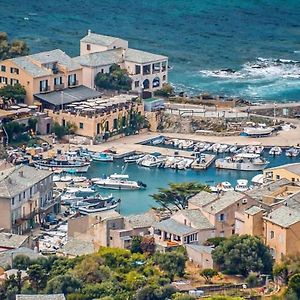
[(146, 84), (156, 82)]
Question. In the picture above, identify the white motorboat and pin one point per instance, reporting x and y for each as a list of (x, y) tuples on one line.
[(225, 186), (258, 131), (133, 158), (242, 162), (258, 180), (80, 189), (275, 151), (151, 161), (119, 182), (68, 198), (233, 149), (242, 185), (292, 152), (66, 178), (158, 141)]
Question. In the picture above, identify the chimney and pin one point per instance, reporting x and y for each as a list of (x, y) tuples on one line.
[(89, 32)]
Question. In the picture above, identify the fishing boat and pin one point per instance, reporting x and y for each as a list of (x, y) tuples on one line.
[(119, 182), (62, 163), (97, 204), (242, 185), (80, 189), (68, 198), (260, 131), (292, 152), (275, 151), (102, 156), (242, 162), (133, 158)]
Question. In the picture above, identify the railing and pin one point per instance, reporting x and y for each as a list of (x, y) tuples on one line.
[(73, 83), (58, 87), (45, 89)]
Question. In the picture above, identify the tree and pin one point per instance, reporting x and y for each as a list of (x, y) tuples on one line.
[(242, 254), (15, 92), (148, 245), (11, 49), (215, 241), (21, 262), (178, 194), (294, 285), (252, 280), (37, 277), (116, 79), (59, 130), (166, 91), (208, 274), (32, 124), (172, 263), (154, 292), (136, 244), (63, 284)]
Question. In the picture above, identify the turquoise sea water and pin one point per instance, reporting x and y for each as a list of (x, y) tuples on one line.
[(259, 40), (140, 201)]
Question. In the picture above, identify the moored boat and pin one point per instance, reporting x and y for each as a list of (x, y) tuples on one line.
[(133, 158), (258, 131), (242, 162), (102, 156), (242, 185), (275, 151)]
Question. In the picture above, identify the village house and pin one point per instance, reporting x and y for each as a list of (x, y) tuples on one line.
[(282, 232), (221, 209), (289, 171), (41, 73), (98, 53), (26, 197), (9, 241)]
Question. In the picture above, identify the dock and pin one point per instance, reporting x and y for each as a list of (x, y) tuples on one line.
[(209, 159)]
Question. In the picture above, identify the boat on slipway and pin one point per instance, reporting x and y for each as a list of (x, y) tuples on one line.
[(242, 162), (118, 182), (260, 131)]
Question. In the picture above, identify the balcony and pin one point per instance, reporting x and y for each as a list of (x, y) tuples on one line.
[(73, 83), (58, 87), (45, 89), (29, 216)]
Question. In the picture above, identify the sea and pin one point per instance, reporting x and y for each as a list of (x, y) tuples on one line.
[(139, 201), (241, 48)]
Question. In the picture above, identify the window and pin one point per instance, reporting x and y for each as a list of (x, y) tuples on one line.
[(12, 201), (222, 217), (115, 123), (20, 197), (102, 70), (137, 69), (136, 84), (88, 47), (3, 68), (14, 70), (164, 78), (146, 69), (244, 201), (57, 80), (24, 194), (72, 80), (293, 179), (30, 191), (14, 81), (3, 80), (272, 234), (277, 177), (44, 86), (81, 125)]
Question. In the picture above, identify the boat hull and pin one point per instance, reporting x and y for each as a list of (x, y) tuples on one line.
[(240, 166), (77, 168), (116, 186)]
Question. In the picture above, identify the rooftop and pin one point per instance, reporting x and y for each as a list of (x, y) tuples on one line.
[(253, 210), (260, 192), (69, 95), (294, 168), (29, 63), (5, 256), (172, 226), (293, 201), (100, 58), (15, 180), (200, 248), (225, 200), (202, 198), (99, 39), (76, 247), (141, 220), (139, 56), (284, 216), (41, 297), (9, 240), (197, 219)]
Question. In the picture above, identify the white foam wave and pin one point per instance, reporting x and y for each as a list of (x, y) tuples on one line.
[(261, 68)]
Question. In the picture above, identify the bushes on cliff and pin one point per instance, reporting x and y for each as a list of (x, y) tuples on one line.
[(10, 49)]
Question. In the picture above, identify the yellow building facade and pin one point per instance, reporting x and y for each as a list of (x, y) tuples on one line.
[(289, 171)]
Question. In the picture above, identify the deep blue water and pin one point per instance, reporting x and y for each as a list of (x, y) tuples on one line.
[(140, 201), (259, 40)]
